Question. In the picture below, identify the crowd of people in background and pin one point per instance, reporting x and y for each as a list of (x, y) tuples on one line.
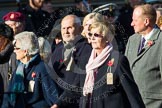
[(82, 56)]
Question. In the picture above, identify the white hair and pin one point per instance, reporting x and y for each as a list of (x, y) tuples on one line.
[(28, 41), (45, 49)]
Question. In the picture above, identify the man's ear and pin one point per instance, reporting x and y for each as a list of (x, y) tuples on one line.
[(147, 21)]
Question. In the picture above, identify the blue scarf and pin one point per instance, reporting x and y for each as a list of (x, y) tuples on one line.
[(18, 85)]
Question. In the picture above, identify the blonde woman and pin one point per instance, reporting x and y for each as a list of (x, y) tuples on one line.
[(109, 82), (88, 20)]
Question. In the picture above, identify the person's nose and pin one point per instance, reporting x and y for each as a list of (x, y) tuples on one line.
[(132, 23), (66, 31)]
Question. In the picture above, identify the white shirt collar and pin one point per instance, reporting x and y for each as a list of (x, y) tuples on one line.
[(148, 36)]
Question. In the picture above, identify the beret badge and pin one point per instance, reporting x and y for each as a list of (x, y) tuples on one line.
[(12, 16)]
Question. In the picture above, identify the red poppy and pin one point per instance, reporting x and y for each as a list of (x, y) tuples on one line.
[(150, 43), (61, 61), (111, 62), (33, 75)]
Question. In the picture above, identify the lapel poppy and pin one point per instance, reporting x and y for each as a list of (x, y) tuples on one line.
[(33, 75), (111, 62)]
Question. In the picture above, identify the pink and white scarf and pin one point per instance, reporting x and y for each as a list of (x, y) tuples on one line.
[(92, 65)]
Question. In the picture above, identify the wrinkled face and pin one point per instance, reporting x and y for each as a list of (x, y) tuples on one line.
[(86, 29), (97, 40), (20, 54), (69, 29), (17, 28), (138, 21)]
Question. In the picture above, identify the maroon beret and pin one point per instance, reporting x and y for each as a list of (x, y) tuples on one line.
[(14, 16)]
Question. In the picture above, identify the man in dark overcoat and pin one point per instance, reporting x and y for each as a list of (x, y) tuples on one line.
[(69, 59)]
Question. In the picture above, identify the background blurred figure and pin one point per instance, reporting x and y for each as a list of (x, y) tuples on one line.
[(82, 8), (159, 22), (37, 20), (155, 3), (88, 20), (47, 6), (44, 49), (158, 13), (30, 86), (6, 34), (6, 49), (55, 37), (58, 38), (146, 41), (110, 11), (16, 21), (125, 18)]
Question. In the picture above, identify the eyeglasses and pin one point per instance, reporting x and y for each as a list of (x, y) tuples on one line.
[(95, 35), (16, 48)]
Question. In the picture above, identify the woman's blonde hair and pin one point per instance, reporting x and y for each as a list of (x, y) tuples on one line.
[(97, 17), (106, 29), (159, 21)]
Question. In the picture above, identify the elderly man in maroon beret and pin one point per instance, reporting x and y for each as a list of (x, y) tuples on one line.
[(15, 20)]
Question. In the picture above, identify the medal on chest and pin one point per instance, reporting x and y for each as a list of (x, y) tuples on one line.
[(109, 76)]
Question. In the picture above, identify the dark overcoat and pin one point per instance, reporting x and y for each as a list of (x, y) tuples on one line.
[(67, 78), (44, 94), (123, 93)]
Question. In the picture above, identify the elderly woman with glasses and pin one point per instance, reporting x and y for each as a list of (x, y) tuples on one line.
[(109, 82), (88, 20), (30, 86)]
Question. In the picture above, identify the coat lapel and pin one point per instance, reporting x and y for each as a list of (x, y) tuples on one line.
[(153, 39)]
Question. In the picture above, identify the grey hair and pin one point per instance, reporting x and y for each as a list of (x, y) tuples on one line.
[(28, 41), (45, 49), (77, 20)]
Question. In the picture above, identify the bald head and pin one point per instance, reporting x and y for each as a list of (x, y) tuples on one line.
[(72, 18), (148, 11), (70, 27)]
